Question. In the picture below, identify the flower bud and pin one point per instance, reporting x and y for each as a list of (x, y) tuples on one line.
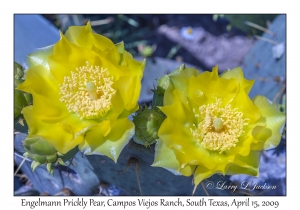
[(41, 152), (146, 51), (147, 123), (18, 71), (21, 99), (20, 102)]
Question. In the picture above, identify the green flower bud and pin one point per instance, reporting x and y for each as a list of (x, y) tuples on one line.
[(18, 71), (41, 152), (146, 51), (19, 103), (17, 82), (147, 123), (28, 98), (21, 99)]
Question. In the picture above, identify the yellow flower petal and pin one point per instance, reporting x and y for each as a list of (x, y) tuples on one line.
[(237, 73), (188, 170), (133, 65), (67, 57), (186, 149), (110, 145), (274, 120), (245, 165), (165, 158), (40, 57), (126, 85), (207, 87), (85, 38), (244, 104), (62, 139), (182, 82), (177, 102), (202, 173), (42, 85)]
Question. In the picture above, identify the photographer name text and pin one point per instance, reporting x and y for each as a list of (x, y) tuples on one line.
[(223, 185)]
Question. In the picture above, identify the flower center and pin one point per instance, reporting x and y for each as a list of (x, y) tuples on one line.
[(219, 128), (189, 30), (88, 91)]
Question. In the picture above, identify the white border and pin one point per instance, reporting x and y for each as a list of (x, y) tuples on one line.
[(154, 6)]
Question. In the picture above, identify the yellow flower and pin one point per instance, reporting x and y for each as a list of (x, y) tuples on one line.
[(84, 88), (212, 125)]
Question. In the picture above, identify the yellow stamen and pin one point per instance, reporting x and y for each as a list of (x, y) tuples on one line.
[(88, 91), (218, 128)]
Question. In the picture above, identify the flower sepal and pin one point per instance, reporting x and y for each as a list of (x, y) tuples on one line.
[(41, 152), (164, 81)]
